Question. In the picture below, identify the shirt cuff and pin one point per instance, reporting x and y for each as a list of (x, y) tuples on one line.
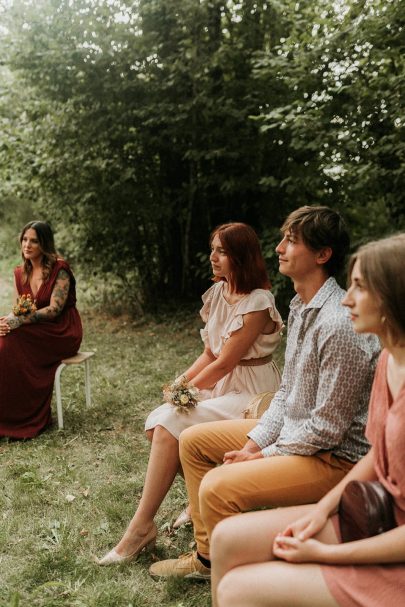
[(257, 435), (272, 450)]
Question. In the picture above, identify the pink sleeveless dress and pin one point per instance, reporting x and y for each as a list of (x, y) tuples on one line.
[(378, 585)]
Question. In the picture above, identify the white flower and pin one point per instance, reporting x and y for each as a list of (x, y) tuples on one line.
[(184, 399)]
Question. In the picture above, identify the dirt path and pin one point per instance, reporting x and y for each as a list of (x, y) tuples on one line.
[(6, 295)]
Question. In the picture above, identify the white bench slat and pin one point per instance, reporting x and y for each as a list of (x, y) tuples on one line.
[(78, 358)]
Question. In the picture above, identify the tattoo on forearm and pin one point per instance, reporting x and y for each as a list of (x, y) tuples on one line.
[(58, 299), (14, 322)]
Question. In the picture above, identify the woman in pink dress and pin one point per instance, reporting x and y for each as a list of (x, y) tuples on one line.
[(32, 345), (241, 332), (294, 557)]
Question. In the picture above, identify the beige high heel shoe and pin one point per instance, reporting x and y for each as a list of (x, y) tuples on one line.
[(113, 558), (183, 519)]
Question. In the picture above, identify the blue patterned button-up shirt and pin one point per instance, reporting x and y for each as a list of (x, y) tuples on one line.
[(323, 398)]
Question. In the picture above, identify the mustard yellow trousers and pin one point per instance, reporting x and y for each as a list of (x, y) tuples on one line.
[(216, 491)]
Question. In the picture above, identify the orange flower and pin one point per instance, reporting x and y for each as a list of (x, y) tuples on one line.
[(24, 305)]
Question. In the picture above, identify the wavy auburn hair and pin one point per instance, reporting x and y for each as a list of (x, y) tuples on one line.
[(382, 269), (47, 245), (242, 246)]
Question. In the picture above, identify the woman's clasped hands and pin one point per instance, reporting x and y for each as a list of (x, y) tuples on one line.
[(296, 544), (4, 326)]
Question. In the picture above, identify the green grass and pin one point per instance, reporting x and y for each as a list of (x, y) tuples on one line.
[(68, 495), (99, 459)]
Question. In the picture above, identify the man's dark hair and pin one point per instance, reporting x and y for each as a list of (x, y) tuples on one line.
[(320, 227)]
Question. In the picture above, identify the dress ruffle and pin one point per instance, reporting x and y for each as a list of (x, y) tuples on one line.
[(207, 299), (257, 300)]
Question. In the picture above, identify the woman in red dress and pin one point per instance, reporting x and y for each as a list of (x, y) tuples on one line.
[(33, 344), (294, 557)]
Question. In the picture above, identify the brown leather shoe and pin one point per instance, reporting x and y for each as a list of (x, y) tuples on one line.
[(186, 566)]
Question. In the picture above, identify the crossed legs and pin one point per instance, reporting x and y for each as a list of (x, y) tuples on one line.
[(245, 574)]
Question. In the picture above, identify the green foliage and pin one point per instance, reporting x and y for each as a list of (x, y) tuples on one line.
[(343, 122), (137, 127)]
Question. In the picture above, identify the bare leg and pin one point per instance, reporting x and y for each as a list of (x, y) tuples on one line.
[(185, 516), (275, 584), (162, 468), (247, 539)]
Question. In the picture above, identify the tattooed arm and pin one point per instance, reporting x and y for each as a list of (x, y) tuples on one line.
[(56, 304)]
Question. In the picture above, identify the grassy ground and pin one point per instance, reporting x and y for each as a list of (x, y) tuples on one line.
[(68, 495)]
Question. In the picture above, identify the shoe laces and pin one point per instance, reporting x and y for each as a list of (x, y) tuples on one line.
[(186, 556)]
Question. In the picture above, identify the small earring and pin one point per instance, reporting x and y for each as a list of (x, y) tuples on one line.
[(383, 319)]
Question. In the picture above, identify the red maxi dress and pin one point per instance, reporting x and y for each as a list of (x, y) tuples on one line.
[(29, 357), (378, 585)]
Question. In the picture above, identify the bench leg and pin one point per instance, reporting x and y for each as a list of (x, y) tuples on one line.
[(58, 395), (87, 383)]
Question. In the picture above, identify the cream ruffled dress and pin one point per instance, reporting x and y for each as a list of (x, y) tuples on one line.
[(231, 394)]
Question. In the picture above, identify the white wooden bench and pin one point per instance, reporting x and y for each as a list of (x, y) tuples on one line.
[(77, 359)]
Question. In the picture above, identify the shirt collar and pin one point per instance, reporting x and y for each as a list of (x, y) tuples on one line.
[(318, 300)]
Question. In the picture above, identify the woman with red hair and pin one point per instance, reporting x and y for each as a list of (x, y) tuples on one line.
[(242, 329)]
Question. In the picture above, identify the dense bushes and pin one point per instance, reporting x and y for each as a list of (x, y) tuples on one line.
[(137, 127)]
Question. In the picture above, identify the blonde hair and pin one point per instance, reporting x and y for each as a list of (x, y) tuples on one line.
[(382, 266)]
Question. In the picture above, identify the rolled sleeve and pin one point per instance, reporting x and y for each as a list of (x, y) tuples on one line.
[(269, 425)]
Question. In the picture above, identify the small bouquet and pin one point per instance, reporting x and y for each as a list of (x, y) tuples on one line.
[(24, 306), (182, 395)]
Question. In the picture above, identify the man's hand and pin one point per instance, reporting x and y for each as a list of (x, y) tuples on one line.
[(250, 451)]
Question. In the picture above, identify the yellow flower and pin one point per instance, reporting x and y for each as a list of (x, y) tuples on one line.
[(184, 399)]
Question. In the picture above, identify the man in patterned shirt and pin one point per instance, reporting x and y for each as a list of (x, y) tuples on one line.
[(313, 431)]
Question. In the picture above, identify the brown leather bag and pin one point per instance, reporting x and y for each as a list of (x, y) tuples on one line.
[(365, 509)]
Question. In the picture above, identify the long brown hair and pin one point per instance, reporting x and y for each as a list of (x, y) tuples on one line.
[(47, 245), (242, 246), (382, 269)]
